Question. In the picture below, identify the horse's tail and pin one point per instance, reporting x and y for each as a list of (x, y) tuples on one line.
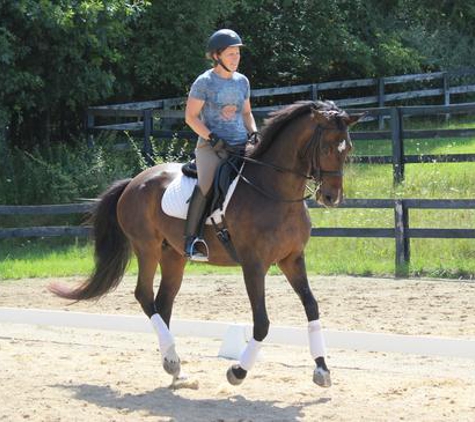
[(112, 250)]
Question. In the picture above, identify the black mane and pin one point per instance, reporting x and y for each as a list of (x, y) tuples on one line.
[(280, 118)]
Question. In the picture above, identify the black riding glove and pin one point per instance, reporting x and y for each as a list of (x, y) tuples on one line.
[(254, 138), (218, 144)]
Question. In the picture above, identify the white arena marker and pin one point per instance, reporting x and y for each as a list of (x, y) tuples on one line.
[(429, 346), (234, 341)]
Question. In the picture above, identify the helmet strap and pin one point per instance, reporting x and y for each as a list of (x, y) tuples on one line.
[(222, 65)]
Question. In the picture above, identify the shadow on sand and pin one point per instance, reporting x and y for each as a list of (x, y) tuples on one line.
[(166, 402)]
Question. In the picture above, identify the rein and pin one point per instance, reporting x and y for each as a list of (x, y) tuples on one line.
[(315, 175)]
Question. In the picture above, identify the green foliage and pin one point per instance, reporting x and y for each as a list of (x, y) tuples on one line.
[(62, 173), (442, 33), (169, 45), (58, 58), (308, 41)]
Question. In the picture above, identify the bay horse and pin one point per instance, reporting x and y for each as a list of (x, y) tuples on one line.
[(267, 219)]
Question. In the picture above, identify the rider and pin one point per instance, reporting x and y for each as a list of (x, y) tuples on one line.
[(218, 110)]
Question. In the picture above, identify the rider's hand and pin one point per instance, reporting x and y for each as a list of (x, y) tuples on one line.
[(254, 138), (218, 144)]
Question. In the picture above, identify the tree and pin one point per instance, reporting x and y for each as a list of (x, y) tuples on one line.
[(57, 58), (308, 41), (169, 45)]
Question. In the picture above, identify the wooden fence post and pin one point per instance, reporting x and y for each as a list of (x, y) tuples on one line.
[(381, 101), (166, 123), (147, 133), (314, 92), (401, 226), (446, 90), (398, 144)]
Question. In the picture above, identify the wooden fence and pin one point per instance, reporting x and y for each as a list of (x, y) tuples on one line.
[(398, 134), (77, 231), (384, 92), (148, 113), (401, 231)]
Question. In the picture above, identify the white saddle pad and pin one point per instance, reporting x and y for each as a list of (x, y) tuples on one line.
[(174, 200)]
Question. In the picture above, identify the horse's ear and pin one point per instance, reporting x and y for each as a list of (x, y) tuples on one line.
[(353, 118)]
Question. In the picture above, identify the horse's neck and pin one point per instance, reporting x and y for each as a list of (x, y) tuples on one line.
[(283, 153)]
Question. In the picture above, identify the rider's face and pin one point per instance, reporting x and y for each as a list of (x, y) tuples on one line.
[(231, 57)]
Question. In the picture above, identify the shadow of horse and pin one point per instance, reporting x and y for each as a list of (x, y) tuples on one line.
[(166, 402)]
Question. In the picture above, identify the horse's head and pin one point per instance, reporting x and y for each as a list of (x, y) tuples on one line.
[(311, 140), (328, 147)]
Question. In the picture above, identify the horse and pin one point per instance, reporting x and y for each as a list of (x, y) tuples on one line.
[(267, 218)]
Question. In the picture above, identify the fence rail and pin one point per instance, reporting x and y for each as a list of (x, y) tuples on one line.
[(397, 134), (401, 231), (146, 113), (49, 231)]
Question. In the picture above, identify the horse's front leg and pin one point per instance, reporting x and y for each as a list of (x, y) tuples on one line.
[(254, 277), (294, 269)]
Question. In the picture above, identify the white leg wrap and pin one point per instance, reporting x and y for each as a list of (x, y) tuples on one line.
[(249, 356), (165, 337), (315, 339)]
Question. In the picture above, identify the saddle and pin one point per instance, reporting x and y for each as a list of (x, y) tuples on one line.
[(223, 178)]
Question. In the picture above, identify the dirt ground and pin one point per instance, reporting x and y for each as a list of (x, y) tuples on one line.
[(62, 374)]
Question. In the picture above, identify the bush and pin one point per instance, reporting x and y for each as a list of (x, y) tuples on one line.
[(62, 173)]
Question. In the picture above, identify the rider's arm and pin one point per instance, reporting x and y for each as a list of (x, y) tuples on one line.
[(248, 117), (192, 117)]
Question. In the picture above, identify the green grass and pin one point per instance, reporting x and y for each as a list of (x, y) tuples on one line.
[(448, 258), (44, 257)]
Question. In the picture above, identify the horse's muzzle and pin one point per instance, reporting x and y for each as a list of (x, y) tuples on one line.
[(329, 199)]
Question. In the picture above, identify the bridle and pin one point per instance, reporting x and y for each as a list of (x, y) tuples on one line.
[(316, 174), (314, 146)]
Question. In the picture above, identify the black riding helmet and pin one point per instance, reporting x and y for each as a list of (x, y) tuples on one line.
[(221, 40)]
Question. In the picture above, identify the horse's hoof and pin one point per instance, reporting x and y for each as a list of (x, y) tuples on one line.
[(322, 378), (236, 375), (171, 362)]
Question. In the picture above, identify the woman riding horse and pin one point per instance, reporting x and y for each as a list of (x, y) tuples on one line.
[(219, 111), (266, 217)]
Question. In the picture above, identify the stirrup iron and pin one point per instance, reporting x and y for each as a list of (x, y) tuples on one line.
[(196, 255)]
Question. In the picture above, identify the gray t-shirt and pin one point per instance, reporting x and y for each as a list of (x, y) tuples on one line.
[(224, 99)]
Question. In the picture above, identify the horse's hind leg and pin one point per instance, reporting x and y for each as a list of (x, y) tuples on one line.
[(294, 269), (149, 254)]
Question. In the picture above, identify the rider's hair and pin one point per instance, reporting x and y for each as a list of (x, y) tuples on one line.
[(209, 55)]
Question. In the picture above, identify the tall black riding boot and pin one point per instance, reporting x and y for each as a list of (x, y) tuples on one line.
[(193, 226)]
